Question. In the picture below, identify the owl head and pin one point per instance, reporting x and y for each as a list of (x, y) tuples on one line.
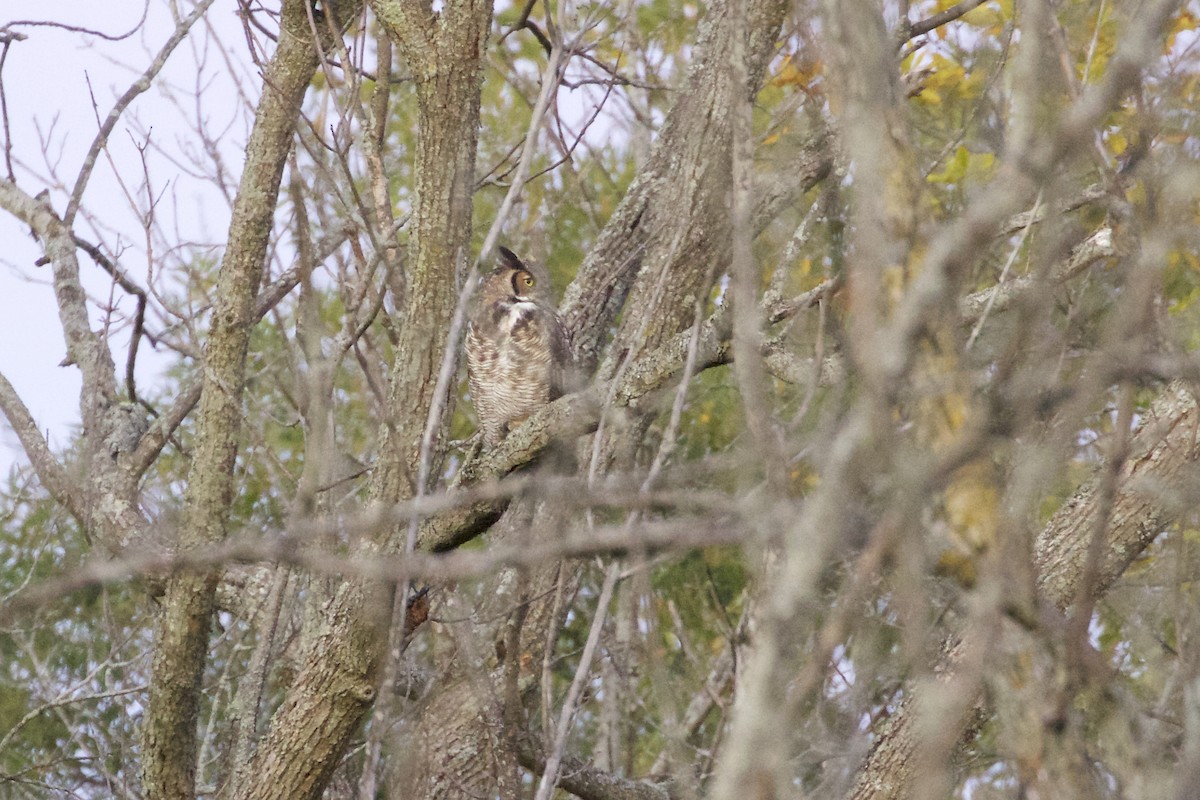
[(525, 282)]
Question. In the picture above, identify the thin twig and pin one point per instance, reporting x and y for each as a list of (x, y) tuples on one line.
[(7, 38), (1012, 256), (110, 37), (941, 18), (139, 86), (125, 282), (554, 761), (550, 79)]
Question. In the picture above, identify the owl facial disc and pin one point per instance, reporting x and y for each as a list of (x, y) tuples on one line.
[(522, 283)]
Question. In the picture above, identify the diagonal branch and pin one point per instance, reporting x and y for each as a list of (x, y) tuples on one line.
[(939, 19), (85, 348), (577, 414), (139, 86), (49, 471), (587, 782)]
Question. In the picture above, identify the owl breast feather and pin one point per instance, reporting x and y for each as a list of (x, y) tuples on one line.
[(511, 362)]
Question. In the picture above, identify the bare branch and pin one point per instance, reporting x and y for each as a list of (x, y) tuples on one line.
[(139, 86), (939, 19), (49, 471), (111, 37), (648, 537), (588, 783)]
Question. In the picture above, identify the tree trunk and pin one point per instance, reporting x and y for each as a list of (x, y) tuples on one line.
[(339, 675), (182, 642), (647, 244)]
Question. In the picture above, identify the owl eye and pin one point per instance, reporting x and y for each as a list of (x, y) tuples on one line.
[(527, 280)]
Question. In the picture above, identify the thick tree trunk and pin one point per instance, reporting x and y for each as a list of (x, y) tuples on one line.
[(469, 728), (648, 244), (672, 227), (338, 678), (182, 643)]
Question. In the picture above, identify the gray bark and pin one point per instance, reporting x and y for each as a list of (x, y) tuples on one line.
[(181, 647), (339, 675), (648, 244)]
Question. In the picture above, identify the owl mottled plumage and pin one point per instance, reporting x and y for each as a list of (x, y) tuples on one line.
[(517, 351)]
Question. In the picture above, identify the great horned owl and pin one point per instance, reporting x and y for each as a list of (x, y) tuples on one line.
[(517, 351)]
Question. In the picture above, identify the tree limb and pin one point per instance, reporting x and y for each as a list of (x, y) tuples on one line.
[(1166, 457), (49, 471), (585, 781), (182, 641)]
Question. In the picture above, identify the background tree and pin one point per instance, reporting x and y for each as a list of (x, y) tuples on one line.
[(882, 480)]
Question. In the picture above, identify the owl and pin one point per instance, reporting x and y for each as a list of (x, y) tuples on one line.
[(518, 356)]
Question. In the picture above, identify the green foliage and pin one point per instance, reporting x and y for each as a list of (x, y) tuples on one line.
[(71, 670)]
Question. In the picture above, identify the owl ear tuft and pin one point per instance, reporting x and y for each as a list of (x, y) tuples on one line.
[(509, 259)]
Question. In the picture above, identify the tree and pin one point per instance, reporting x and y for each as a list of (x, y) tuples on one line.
[(881, 474)]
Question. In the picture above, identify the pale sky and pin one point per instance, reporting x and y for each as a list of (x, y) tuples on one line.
[(46, 83)]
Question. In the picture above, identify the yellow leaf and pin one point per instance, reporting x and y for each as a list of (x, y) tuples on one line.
[(956, 564), (981, 164), (964, 164), (985, 16), (786, 75), (1117, 143), (929, 97), (955, 168), (954, 409), (795, 72), (1186, 21), (945, 78)]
